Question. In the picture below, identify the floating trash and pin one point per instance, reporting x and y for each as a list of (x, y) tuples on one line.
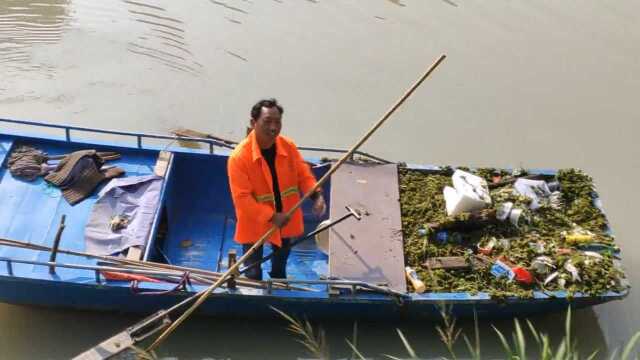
[(542, 265), (551, 277), (540, 241), (575, 276), (500, 269), (522, 275), (540, 247), (487, 249), (504, 210)]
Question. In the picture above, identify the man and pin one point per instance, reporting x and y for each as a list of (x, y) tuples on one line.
[(266, 176)]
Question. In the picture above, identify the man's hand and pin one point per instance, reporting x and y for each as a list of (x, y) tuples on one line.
[(319, 206), (280, 219)]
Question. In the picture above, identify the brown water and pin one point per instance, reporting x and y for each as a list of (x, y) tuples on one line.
[(526, 83)]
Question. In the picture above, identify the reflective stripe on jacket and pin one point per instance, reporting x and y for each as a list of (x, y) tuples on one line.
[(252, 188)]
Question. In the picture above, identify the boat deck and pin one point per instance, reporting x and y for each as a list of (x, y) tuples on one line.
[(199, 215), (31, 211), (201, 222)]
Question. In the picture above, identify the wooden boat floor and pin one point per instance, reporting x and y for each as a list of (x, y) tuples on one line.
[(370, 250)]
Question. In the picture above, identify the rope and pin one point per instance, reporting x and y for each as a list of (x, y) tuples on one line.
[(182, 284)]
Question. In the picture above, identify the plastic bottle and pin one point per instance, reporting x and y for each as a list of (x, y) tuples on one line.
[(443, 237), (417, 284)]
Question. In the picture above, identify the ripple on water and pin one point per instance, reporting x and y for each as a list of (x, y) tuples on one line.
[(163, 39), (24, 24)]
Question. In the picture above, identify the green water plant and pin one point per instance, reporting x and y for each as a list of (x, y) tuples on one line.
[(542, 233)]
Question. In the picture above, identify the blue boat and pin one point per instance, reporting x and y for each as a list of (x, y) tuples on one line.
[(192, 228)]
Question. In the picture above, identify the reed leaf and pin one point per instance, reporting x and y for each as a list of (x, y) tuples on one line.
[(505, 345), (533, 331), (315, 344), (567, 329), (406, 344), (593, 355), (519, 341), (355, 351), (474, 350), (630, 345), (354, 339)]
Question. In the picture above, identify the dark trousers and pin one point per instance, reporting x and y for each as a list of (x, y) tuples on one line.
[(278, 261)]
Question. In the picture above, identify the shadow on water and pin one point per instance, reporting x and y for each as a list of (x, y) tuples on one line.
[(242, 338), (207, 337)]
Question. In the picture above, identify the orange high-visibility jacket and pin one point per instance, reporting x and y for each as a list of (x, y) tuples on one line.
[(252, 189)]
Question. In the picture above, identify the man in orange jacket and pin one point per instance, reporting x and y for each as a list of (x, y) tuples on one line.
[(266, 176)]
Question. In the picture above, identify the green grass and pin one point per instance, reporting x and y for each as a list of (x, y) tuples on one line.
[(515, 348)]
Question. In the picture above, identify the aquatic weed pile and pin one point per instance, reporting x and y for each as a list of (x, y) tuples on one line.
[(543, 234)]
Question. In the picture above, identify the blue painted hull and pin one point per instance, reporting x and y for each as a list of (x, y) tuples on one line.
[(196, 206), (122, 300)]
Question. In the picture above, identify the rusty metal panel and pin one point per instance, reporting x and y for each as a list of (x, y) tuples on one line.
[(371, 249)]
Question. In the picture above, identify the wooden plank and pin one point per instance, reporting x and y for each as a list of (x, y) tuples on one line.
[(134, 253), (164, 157), (447, 262), (369, 250)]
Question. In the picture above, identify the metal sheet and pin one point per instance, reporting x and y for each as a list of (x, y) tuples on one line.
[(371, 249)]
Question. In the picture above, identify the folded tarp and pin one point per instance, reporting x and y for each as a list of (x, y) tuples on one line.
[(135, 199)]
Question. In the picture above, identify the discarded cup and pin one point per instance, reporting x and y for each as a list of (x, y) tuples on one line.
[(503, 211), (522, 275), (514, 216)]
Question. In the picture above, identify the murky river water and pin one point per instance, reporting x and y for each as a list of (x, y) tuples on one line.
[(530, 83)]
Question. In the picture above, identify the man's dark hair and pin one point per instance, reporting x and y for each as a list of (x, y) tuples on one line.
[(256, 110)]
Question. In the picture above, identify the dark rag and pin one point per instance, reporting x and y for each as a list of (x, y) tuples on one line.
[(78, 174)]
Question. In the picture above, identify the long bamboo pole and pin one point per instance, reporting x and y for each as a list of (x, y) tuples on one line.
[(148, 265), (205, 293)]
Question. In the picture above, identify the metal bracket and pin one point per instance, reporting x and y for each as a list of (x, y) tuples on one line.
[(127, 338)]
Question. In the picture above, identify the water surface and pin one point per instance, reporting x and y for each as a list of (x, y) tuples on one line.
[(526, 83)]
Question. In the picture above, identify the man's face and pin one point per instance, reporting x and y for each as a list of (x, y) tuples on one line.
[(269, 124)]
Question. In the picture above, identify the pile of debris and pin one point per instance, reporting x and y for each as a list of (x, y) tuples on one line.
[(506, 233)]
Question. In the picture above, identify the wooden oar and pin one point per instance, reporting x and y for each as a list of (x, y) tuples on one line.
[(202, 296)]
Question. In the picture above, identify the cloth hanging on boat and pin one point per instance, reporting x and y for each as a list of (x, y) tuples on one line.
[(135, 198), (28, 163), (78, 174)]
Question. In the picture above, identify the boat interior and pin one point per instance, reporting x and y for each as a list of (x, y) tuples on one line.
[(193, 225)]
